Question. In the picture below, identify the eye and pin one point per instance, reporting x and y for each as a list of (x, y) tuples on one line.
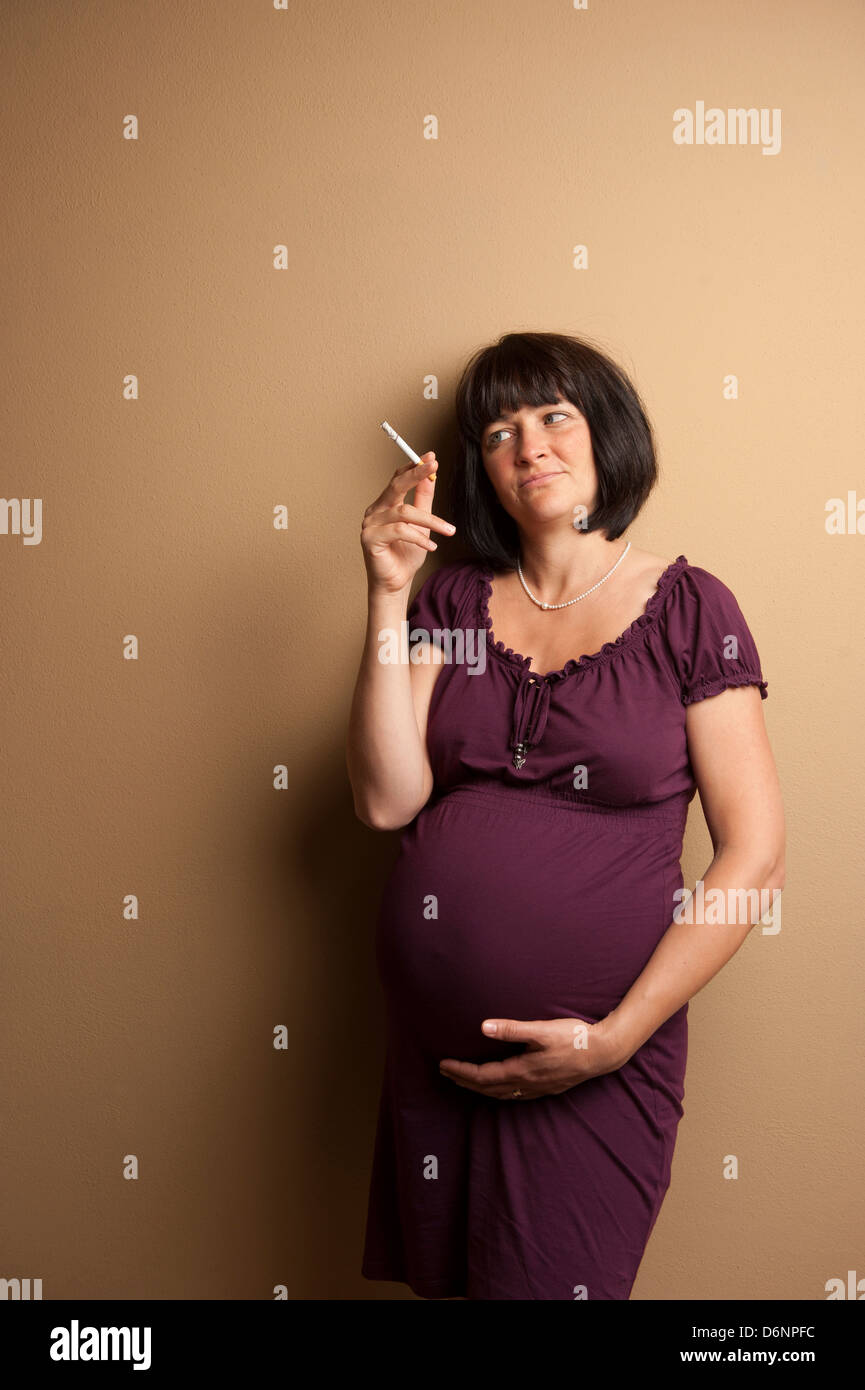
[(491, 438)]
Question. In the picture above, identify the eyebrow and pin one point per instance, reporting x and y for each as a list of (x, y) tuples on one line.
[(509, 415)]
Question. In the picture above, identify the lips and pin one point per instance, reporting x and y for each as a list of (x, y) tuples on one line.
[(538, 478)]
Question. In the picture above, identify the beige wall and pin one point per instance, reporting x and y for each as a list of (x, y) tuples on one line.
[(262, 388)]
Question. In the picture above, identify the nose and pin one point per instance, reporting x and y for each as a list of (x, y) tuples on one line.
[(531, 445)]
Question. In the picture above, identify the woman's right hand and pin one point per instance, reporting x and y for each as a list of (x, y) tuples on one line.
[(395, 534)]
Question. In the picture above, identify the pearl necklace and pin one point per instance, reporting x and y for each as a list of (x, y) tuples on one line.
[(579, 596)]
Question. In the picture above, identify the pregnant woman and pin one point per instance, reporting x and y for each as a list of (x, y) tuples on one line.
[(535, 959)]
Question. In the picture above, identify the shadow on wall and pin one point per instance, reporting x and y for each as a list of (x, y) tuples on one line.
[(330, 859), (343, 865)]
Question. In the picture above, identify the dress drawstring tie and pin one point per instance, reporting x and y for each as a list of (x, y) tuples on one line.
[(530, 716)]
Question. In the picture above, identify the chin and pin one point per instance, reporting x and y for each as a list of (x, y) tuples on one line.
[(551, 508)]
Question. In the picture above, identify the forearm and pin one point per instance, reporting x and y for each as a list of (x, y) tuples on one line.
[(386, 759), (690, 953)]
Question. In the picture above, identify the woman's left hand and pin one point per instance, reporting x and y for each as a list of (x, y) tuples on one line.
[(560, 1053)]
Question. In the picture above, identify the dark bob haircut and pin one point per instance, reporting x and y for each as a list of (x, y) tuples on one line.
[(536, 369)]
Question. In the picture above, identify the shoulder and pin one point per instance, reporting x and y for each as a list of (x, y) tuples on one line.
[(449, 592), (647, 570), (705, 589), (678, 576), (645, 562), (451, 576), (707, 634), (693, 599)]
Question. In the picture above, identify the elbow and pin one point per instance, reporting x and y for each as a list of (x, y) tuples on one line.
[(778, 870), (376, 819), (761, 866), (777, 875), (386, 814), (773, 873)]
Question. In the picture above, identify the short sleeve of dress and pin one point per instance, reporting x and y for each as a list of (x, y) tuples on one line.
[(441, 601), (710, 643)]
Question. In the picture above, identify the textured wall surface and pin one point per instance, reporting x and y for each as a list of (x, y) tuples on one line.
[(197, 413)]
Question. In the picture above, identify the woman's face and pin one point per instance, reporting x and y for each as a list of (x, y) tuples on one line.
[(539, 460)]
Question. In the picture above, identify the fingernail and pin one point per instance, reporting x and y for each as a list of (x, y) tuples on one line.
[(450, 526), (489, 1027)]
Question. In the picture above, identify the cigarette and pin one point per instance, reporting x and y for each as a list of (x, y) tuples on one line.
[(392, 434)]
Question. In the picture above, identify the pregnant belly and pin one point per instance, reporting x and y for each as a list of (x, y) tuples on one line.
[(501, 907)]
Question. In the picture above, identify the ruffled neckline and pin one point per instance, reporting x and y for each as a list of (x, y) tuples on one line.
[(645, 619)]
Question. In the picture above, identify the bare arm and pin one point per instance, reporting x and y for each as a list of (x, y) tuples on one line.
[(741, 798), (386, 754)]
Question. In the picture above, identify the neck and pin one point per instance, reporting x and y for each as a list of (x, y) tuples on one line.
[(557, 568)]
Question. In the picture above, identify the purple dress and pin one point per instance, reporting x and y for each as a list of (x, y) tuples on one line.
[(527, 888)]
